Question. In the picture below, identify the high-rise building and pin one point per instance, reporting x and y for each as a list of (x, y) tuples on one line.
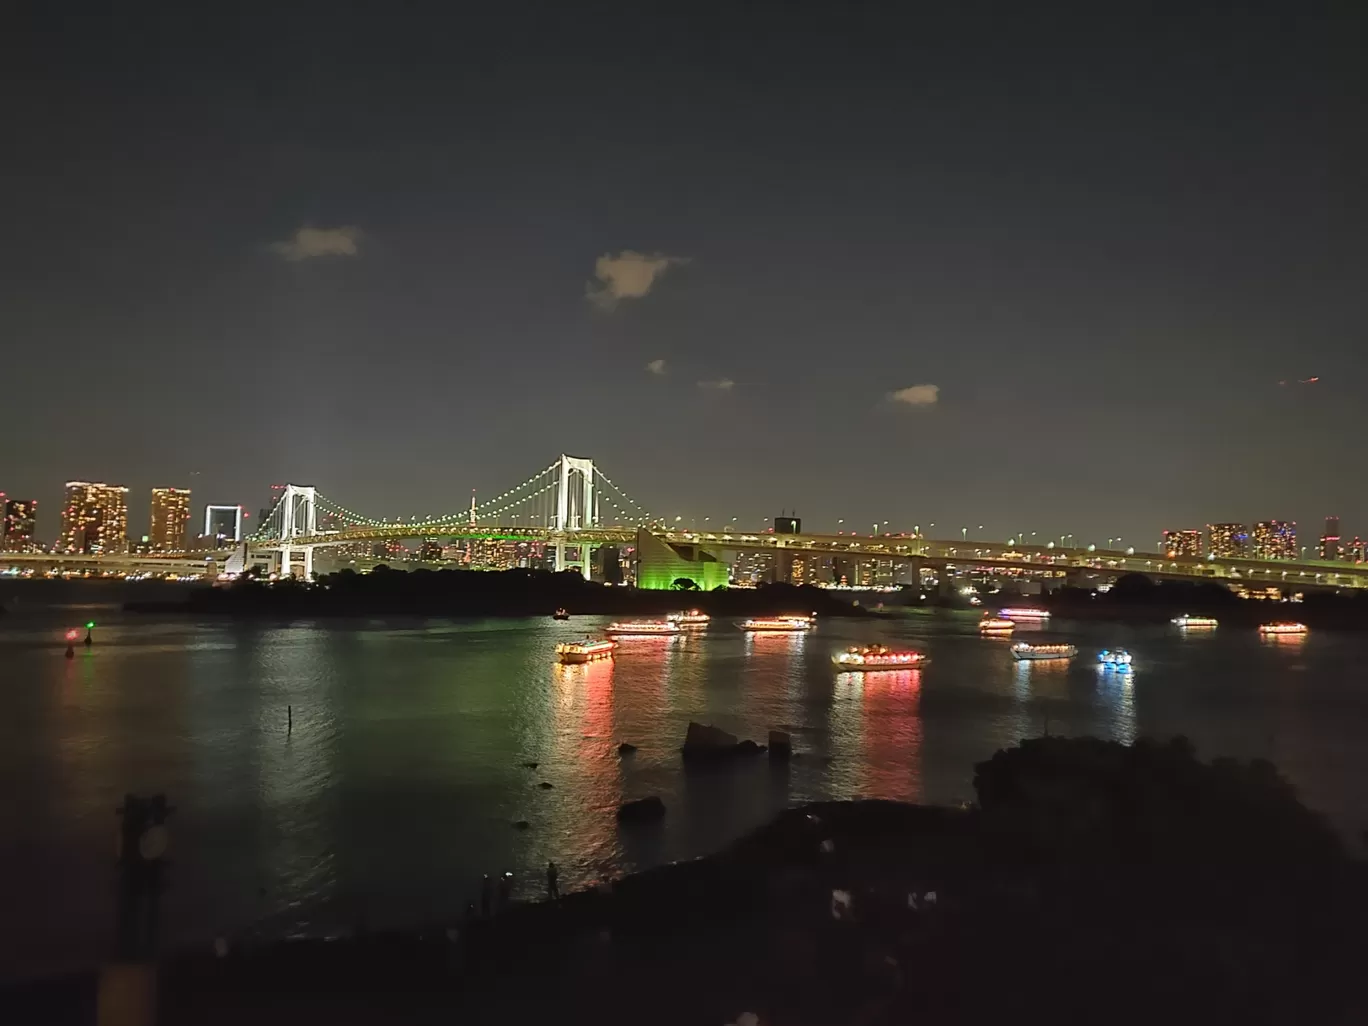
[(1227, 541), (1356, 551), (170, 519), (1178, 544), (1330, 540), (17, 533), (95, 518), (223, 522), (1275, 539)]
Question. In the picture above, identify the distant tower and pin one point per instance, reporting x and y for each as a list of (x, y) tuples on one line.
[(472, 507), (1330, 540)]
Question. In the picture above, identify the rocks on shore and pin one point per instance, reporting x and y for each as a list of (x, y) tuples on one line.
[(704, 742), (641, 810), (780, 744)]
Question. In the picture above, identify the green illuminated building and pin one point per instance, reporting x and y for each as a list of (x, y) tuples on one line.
[(660, 564)]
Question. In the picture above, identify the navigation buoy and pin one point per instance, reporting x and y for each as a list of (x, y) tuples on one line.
[(71, 637)]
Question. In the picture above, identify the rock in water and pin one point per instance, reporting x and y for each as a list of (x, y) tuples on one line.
[(626, 749), (704, 742), (530, 765), (704, 738), (780, 744), (642, 810), (521, 824), (546, 785)]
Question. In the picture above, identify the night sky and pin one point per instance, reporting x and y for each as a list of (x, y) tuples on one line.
[(1040, 272)]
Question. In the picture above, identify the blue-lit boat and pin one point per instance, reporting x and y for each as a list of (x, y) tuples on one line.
[(1114, 658)]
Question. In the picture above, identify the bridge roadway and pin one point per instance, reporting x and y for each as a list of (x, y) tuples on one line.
[(931, 552), (119, 564)]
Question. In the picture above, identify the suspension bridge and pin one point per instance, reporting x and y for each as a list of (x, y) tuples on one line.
[(572, 508)]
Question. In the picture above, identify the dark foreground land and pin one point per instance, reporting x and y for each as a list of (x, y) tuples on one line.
[(1094, 884), (384, 592)]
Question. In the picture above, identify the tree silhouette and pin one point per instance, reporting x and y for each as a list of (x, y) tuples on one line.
[(684, 584)]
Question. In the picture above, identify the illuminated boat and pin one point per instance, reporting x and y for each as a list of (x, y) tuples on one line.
[(1117, 658), (642, 628), (1021, 650), (1194, 621), (1024, 614), (585, 651), (1282, 627), (877, 657), (693, 618), (996, 625), (779, 624), (560, 614)]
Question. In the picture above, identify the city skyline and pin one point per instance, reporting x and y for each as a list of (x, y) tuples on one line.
[(1213, 538), (845, 265)]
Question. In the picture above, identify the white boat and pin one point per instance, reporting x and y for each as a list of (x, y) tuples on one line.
[(877, 657), (1021, 650), (1282, 627), (693, 618), (1187, 620), (996, 625), (642, 628), (1114, 657), (585, 651), (1024, 614), (779, 624)]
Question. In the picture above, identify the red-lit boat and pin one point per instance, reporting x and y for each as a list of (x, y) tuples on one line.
[(877, 657)]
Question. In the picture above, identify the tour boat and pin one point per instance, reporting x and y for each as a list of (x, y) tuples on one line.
[(693, 618), (779, 624), (996, 625), (1282, 627), (1021, 650), (1024, 614), (585, 651), (643, 628), (1187, 620), (560, 614), (877, 657), (1114, 657)]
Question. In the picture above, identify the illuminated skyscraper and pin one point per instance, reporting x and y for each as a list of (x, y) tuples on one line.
[(1275, 539), (1356, 551), (1227, 541), (170, 519), (95, 518), (17, 530), (1178, 544), (1330, 540)]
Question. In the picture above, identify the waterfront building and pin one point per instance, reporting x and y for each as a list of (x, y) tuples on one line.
[(1275, 539), (18, 531), (1354, 552), (94, 519), (1227, 541), (170, 519), (1183, 543)]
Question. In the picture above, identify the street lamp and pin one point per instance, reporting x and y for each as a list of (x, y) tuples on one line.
[(964, 534)]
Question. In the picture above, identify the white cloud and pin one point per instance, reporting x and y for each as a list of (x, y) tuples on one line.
[(720, 385), (656, 366), (629, 275), (917, 395), (317, 242)]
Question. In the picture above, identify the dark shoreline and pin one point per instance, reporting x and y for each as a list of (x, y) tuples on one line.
[(1106, 864), (510, 593)]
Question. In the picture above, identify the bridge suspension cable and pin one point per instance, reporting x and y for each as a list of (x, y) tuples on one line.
[(536, 502)]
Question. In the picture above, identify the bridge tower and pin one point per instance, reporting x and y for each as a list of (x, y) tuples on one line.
[(298, 511), (575, 510)]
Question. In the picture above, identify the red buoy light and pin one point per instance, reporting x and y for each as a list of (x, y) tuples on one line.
[(72, 634)]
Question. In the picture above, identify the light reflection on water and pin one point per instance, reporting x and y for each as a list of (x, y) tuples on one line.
[(403, 776)]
